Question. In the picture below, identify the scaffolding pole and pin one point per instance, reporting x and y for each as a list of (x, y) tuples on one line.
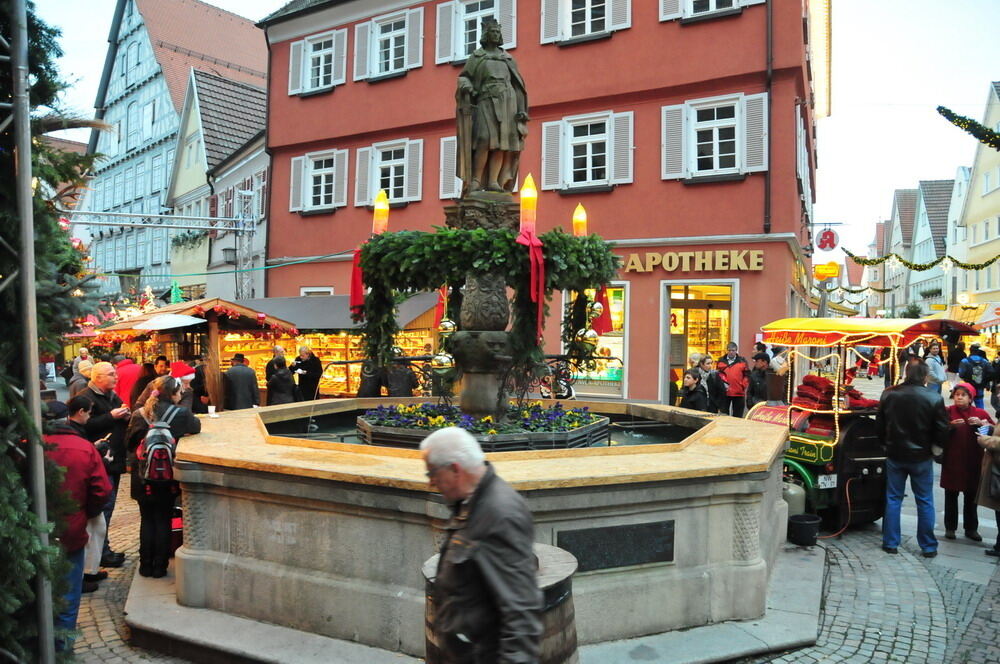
[(29, 309)]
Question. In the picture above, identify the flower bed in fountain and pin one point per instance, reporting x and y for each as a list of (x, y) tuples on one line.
[(532, 427)]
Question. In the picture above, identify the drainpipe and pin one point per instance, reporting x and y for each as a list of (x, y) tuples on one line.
[(270, 166), (768, 84)]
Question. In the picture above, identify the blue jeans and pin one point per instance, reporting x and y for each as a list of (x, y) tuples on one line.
[(109, 508), (66, 620), (921, 474)]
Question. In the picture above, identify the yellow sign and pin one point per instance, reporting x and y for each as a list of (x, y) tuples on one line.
[(723, 260), (826, 270), (809, 452), (939, 307)]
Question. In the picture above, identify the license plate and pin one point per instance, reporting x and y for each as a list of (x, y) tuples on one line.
[(826, 481)]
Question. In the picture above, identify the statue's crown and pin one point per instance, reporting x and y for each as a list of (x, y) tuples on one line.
[(489, 22)]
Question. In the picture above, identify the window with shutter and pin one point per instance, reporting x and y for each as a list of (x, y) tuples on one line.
[(450, 183), (389, 44), (714, 136), (587, 150), (362, 177), (318, 62), (565, 20), (459, 26), (296, 179), (675, 9), (325, 180)]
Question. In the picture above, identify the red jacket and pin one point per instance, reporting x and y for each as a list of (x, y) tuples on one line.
[(962, 455), (128, 374), (86, 482), (736, 374)]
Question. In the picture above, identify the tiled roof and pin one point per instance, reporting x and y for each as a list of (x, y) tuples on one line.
[(879, 238), (904, 205), (936, 195), (188, 34), (996, 88), (855, 272), (231, 114), (294, 7), (65, 145)]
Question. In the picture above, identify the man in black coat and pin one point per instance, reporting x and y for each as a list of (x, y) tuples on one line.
[(911, 419), (241, 385), (487, 602), (108, 421)]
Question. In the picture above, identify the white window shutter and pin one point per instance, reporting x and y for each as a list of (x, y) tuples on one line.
[(672, 142), (550, 21), (362, 33), (621, 14), (670, 10), (415, 38), (451, 184), (621, 148), (755, 133), (444, 47), (340, 178), (552, 155), (508, 23), (295, 67), (362, 177), (296, 185), (339, 57), (414, 169)]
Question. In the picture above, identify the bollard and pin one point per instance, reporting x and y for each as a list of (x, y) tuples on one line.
[(555, 579)]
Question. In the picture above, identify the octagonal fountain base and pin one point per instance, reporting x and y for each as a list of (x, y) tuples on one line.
[(330, 537)]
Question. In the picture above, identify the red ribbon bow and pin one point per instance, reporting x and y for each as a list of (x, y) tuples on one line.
[(357, 297), (537, 275)]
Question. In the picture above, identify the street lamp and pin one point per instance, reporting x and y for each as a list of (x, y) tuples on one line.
[(229, 255)]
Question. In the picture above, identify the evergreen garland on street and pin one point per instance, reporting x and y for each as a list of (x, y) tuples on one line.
[(982, 133)]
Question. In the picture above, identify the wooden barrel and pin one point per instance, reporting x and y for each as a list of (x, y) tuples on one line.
[(555, 579)]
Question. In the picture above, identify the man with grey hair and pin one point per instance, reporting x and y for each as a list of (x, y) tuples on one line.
[(487, 602), (269, 368)]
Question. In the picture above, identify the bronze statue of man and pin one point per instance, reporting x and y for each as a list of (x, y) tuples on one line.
[(492, 116)]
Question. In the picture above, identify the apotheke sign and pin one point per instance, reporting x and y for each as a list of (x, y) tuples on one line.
[(723, 260)]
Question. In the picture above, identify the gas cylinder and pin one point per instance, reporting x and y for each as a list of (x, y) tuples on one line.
[(795, 496)]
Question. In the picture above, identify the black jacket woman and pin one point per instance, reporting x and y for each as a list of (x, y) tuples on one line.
[(280, 386), (156, 501), (309, 370)]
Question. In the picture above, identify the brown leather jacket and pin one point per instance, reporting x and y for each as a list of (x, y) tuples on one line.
[(487, 601)]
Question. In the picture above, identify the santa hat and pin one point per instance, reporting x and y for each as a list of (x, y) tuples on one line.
[(180, 369)]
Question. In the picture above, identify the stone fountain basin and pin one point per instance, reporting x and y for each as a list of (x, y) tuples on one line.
[(329, 537)]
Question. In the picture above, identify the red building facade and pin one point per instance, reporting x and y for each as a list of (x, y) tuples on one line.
[(685, 127)]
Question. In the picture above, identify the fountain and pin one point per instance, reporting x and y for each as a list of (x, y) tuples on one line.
[(328, 536)]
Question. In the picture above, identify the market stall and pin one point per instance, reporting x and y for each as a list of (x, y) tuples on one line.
[(188, 329), (325, 325)]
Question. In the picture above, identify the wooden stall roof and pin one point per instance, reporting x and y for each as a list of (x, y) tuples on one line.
[(191, 309)]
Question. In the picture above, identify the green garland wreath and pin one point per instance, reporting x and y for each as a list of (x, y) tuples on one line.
[(408, 262), (982, 133), (921, 267)]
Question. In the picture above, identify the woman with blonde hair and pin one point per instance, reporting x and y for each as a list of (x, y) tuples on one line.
[(156, 500)]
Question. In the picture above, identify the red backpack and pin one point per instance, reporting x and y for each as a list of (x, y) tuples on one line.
[(155, 454)]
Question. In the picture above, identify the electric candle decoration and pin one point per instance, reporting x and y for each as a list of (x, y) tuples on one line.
[(579, 221), (380, 220), (529, 199)]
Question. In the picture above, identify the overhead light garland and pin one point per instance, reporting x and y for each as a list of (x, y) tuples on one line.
[(853, 291), (983, 134), (895, 260)]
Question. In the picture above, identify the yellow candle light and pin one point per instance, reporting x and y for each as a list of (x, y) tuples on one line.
[(380, 220), (579, 221), (529, 199)]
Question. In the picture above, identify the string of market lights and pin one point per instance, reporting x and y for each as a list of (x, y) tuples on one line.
[(852, 291), (947, 262)]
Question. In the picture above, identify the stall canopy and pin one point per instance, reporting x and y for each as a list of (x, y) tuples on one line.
[(239, 316), (332, 312), (863, 331)]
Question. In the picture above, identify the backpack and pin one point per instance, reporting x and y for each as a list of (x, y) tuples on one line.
[(977, 374), (155, 454)]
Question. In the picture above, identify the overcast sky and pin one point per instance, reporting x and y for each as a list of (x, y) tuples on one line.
[(894, 62)]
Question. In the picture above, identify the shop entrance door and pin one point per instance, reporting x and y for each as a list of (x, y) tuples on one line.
[(700, 321)]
